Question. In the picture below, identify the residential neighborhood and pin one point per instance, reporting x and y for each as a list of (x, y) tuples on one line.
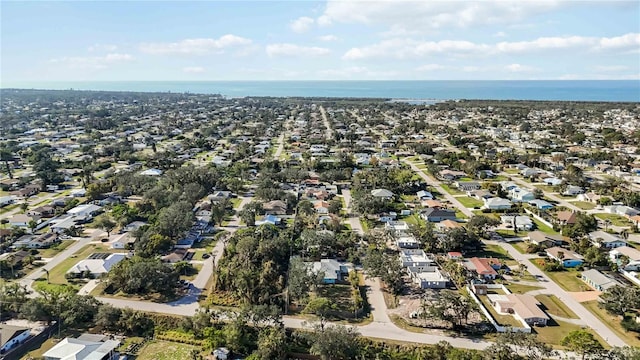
[(459, 221)]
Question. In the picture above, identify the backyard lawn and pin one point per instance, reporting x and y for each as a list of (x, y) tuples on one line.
[(165, 350), (544, 228), (584, 205), (612, 322), (555, 306), (469, 202), (504, 320), (616, 220)]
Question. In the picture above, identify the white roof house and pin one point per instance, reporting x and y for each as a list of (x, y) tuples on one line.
[(415, 258), (151, 172), (84, 210), (97, 264), (76, 349), (382, 193), (605, 240), (632, 254), (497, 203)]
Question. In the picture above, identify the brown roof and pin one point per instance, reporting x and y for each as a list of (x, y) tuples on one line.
[(450, 224), (568, 217), (526, 306), (483, 266)]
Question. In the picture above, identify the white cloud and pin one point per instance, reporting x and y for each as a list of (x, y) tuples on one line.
[(500, 34), (519, 68), (402, 48), (627, 41), (194, 70), (327, 38), (274, 50), (431, 67), (102, 47), (414, 15), (93, 62), (302, 24), (611, 68), (195, 46)]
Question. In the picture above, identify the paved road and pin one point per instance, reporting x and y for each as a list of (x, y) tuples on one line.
[(329, 131), (276, 155), (436, 184), (552, 288), (28, 280), (32, 201), (352, 220), (549, 285)]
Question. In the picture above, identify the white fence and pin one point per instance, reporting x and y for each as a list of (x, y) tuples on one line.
[(499, 328)]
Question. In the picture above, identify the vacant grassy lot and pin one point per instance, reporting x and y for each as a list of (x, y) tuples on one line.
[(451, 190), (584, 205), (613, 323), (521, 246), (55, 249), (616, 220), (495, 251), (469, 201), (555, 331), (568, 279), (521, 289), (340, 295), (165, 350), (554, 306)]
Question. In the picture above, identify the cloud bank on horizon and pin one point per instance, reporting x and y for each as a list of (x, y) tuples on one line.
[(320, 40)]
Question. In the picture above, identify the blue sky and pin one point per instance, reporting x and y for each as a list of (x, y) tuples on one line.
[(309, 40)]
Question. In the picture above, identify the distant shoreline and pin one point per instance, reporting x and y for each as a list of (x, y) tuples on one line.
[(395, 90)]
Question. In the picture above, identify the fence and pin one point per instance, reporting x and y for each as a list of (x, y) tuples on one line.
[(539, 218), (31, 343), (499, 328)]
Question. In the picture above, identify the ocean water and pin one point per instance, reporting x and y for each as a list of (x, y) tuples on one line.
[(579, 90)]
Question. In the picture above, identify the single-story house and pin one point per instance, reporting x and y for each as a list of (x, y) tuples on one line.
[(86, 211), (22, 220), (78, 192), (415, 258), (36, 242), (97, 264), (428, 277), (151, 172), (42, 211), (133, 226), (598, 280), (7, 200), (275, 207), (632, 256), (407, 241), (480, 194), (424, 195), (451, 174), (520, 222), (12, 336), (468, 185), (454, 255), (541, 204), (572, 190), (437, 214), (497, 203), (177, 255), (484, 267), (545, 240), (605, 240), (122, 241), (622, 210), (521, 195), (524, 307), (333, 270), (589, 197), (553, 181), (77, 349), (566, 217), (396, 226), (382, 193), (568, 258)]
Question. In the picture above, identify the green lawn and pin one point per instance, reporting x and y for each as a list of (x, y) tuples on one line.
[(613, 323), (460, 214), (165, 350), (521, 246), (555, 306), (469, 202), (584, 205), (521, 289), (451, 190), (56, 275), (566, 279), (504, 320), (544, 228), (555, 331), (616, 220), (492, 251), (55, 249)]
